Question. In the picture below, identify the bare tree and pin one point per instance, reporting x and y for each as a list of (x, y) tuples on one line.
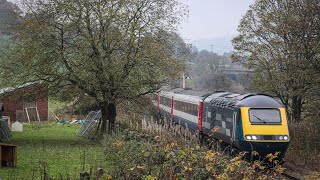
[(209, 71)]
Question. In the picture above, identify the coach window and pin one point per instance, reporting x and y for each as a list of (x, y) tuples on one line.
[(177, 105), (166, 101), (195, 109)]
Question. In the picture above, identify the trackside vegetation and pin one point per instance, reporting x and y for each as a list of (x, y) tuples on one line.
[(54, 151)]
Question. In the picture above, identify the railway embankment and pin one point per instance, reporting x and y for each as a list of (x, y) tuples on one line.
[(157, 150)]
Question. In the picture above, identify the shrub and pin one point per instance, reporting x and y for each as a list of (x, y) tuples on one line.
[(134, 158)]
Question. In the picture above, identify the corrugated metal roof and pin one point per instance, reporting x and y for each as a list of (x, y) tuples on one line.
[(11, 89)]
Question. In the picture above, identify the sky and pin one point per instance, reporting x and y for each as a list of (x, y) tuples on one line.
[(213, 18)]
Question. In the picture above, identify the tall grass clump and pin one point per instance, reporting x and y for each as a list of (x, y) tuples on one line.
[(304, 149)]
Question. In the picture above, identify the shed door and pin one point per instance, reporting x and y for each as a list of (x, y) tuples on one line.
[(31, 111)]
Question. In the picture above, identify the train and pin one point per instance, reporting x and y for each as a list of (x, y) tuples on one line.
[(250, 122)]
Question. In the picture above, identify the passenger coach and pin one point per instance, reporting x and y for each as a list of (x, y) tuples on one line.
[(248, 122)]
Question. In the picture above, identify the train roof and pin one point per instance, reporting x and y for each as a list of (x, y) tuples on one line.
[(225, 99), (201, 94), (232, 100)]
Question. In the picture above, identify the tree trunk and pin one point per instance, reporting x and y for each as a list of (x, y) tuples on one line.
[(296, 108), (104, 117), (109, 113), (112, 116)]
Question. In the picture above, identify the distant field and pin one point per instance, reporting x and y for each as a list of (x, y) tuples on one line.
[(56, 146)]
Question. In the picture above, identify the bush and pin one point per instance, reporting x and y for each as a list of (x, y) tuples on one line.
[(133, 158), (305, 145)]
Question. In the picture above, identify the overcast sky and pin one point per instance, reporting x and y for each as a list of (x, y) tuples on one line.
[(213, 18)]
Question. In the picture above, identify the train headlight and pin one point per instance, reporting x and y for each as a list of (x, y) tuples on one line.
[(248, 137), (285, 137), (254, 137), (280, 137)]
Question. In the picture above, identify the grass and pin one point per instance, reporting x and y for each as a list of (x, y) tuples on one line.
[(55, 146)]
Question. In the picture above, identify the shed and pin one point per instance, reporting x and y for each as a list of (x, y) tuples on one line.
[(1, 110), (24, 103)]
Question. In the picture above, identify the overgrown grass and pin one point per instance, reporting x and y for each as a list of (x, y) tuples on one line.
[(54, 148), (303, 155)]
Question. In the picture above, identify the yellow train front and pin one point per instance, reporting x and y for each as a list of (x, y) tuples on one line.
[(258, 123)]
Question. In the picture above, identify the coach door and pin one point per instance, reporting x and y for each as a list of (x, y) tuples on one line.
[(207, 120), (234, 125), (212, 114)]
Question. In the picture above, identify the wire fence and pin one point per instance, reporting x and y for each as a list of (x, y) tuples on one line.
[(90, 126)]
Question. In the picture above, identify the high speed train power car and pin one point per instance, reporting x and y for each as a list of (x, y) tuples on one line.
[(247, 122)]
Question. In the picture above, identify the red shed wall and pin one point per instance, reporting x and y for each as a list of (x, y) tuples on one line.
[(10, 108), (43, 109), (13, 104)]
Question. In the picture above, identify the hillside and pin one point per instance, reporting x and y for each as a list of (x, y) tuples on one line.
[(3, 40), (219, 45), (7, 10)]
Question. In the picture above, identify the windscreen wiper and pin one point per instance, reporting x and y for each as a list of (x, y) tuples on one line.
[(259, 119)]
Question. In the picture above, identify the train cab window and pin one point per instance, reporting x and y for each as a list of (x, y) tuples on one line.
[(264, 116)]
